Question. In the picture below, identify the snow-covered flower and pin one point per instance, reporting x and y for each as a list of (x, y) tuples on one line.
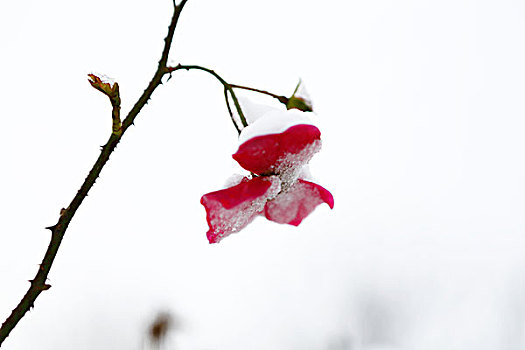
[(276, 147)]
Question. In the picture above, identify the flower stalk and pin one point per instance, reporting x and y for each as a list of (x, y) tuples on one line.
[(227, 89)]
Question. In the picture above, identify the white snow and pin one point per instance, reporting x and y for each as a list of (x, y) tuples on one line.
[(292, 165), (303, 93), (235, 219), (305, 174), (253, 110), (233, 180), (104, 78), (276, 121)]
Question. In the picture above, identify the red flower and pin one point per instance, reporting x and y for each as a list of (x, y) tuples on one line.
[(276, 190)]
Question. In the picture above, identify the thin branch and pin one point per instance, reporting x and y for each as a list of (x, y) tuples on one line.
[(161, 70), (282, 99), (38, 284), (221, 80), (230, 110)]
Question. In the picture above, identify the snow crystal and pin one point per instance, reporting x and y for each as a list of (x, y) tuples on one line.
[(305, 173), (226, 221), (291, 165), (292, 206), (104, 78)]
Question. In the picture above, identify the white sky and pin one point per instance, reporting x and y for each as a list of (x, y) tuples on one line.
[(421, 105)]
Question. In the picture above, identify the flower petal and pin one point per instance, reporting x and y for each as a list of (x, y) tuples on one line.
[(297, 203), (231, 209), (276, 153)]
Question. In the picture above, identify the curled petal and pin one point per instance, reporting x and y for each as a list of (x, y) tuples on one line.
[(231, 209), (276, 153), (297, 203)]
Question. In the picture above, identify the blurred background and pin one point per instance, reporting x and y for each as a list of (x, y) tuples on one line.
[(421, 109)]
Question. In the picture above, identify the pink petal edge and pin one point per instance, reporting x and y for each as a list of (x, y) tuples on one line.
[(293, 206), (231, 209), (263, 154)]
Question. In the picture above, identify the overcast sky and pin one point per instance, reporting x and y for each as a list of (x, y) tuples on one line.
[(422, 121)]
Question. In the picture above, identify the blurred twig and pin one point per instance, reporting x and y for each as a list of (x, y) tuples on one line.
[(160, 327)]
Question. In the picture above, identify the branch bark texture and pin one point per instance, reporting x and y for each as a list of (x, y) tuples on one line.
[(38, 283)]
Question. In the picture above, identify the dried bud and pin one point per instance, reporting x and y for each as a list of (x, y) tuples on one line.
[(109, 89)]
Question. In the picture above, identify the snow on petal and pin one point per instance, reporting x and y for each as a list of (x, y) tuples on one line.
[(252, 110), (234, 179), (276, 121), (284, 153), (231, 209), (306, 174), (292, 206)]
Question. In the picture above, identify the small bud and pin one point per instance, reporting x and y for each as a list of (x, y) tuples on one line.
[(109, 89), (299, 103), (300, 99)]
